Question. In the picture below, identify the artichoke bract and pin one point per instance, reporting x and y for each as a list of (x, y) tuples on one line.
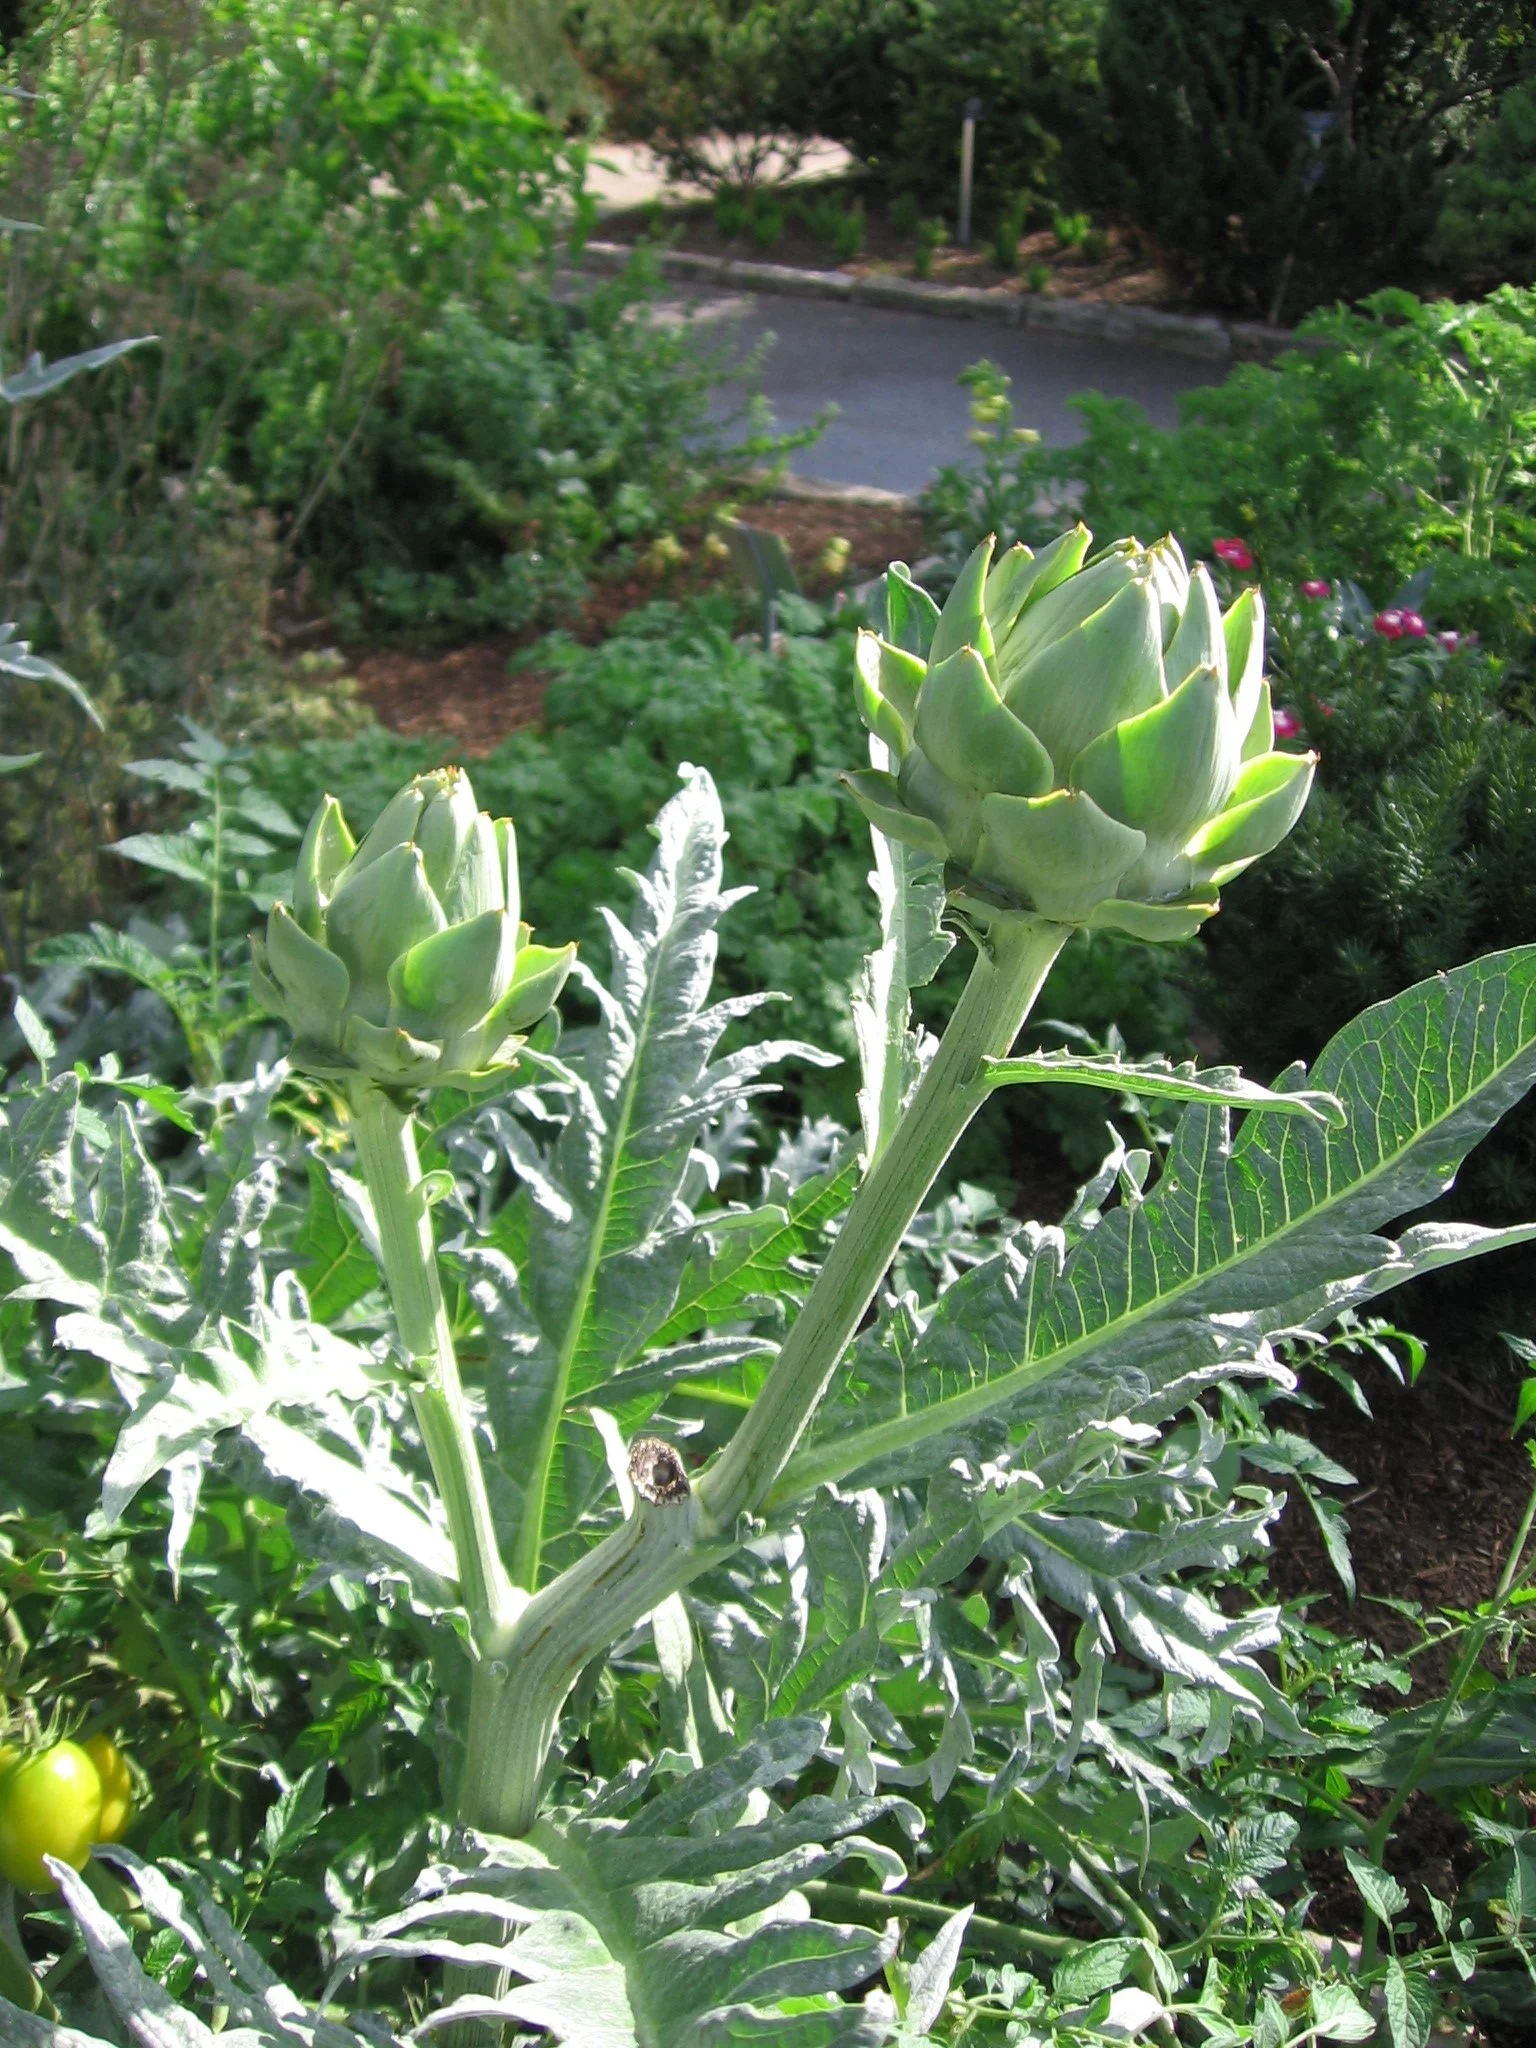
[(1085, 740), (402, 961)]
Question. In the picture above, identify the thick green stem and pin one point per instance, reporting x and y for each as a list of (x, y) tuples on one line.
[(998, 997), (989, 1937), (516, 1701), (518, 1696), (386, 1146)]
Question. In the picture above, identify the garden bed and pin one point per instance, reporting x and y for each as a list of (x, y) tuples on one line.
[(1126, 274), (477, 693)]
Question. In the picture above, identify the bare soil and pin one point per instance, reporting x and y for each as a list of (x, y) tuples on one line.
[(475, 695), (1441, 1487)]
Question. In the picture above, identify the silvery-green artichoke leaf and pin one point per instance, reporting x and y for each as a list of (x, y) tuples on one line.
[(608, 1263), (662, 1913), (1244, 1233)]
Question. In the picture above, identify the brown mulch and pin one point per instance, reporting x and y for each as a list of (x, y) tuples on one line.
[(1441, 1489), (475, 695), (1128, 275)]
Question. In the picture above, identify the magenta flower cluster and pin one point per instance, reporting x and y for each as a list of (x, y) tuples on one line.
[(1394, 623)]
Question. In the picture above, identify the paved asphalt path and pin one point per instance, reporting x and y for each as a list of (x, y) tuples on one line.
[(892, 375)]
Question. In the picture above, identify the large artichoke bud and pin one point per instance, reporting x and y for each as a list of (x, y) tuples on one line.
[(1086, 741), (402, 960)]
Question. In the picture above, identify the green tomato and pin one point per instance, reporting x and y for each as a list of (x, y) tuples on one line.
[(50, 1805), (116, 1787)]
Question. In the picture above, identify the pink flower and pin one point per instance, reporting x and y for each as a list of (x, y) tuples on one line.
[(1326, 710), (1287, 724), (1449, 641), (1316, 587), (1390, 625), (1414, 626), (1235, 553)]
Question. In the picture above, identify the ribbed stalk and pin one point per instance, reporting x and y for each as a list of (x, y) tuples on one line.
[(386, 1147), (998, 997), (518, 1696)]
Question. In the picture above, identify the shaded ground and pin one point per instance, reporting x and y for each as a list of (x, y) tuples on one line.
[(1440, 1493), (475, 695), (1441, 1488)]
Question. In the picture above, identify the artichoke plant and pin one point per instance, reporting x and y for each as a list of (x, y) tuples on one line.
[(1087, 741), (402, 961)]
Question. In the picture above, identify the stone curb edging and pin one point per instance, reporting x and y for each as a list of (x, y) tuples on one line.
[(1189, 334), (820, 490)]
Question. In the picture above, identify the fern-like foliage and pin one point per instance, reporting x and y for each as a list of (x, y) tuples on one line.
[(1030, 1417), (265, 2012), (176, 1299)]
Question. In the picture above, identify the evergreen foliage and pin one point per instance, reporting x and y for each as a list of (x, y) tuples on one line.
[(1487, 231), (1286, 152), (893, 78)]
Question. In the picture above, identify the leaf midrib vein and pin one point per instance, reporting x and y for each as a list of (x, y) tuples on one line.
[(531, 1533), (956, 1409)]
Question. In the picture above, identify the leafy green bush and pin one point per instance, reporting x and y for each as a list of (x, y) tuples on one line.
[(1399, 438), (344, 226), (689, 76), (931, 235), (1022, 1638), (1211, 104), (832, 219), (1416, 853), (1486, 233), (1006, 230), (890, 78)]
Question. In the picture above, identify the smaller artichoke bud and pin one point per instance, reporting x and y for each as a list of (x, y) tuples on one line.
[(403, 961), (1084, 739)]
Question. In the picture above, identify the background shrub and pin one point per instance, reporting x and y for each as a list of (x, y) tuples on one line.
[(344, 226), (1416, 852), (891, 78), (887, 78), (1213, 154), (1487, 230), (676, 72)]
